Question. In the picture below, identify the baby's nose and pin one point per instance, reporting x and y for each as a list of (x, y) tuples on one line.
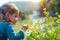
[(16, 19)]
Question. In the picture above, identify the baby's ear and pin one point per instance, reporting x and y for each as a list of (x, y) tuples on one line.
[(7, 14)]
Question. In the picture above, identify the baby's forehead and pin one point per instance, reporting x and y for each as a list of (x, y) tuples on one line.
[(17, 11)]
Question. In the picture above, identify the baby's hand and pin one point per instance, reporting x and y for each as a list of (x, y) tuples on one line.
[(25, 27)]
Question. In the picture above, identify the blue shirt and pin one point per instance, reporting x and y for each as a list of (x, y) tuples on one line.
[(7, 32)]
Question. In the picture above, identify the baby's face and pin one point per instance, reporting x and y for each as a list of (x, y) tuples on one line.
[(13, 18)]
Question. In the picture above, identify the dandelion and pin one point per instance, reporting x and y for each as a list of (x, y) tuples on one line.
[(56, 13), (53, 29), (58, 16), (58, 21), (44, 9)]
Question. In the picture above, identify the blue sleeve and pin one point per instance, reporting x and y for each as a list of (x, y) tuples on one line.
[(11, 35)]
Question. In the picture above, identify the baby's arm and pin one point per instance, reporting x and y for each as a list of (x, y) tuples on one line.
[(11, 34)]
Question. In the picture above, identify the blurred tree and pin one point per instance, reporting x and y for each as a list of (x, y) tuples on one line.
[(52, 6), (24, 14), (42, 5), (55, 6)]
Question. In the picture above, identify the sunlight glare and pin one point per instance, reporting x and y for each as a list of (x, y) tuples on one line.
[(35, 0)]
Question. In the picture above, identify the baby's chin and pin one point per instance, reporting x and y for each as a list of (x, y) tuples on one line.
[(13, 23)]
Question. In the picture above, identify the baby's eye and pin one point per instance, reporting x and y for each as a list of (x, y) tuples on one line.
[(16, 16)]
